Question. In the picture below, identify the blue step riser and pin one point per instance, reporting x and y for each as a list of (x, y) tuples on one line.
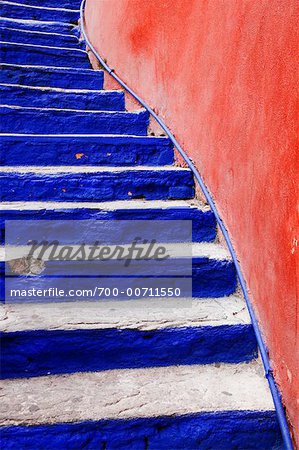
[(213, 278), (46, 27), (40, 353), (27, 13), (92, 101), (76, 151), (35, 38), (43, 56), (203, 222), (104, 186), (67, 4), (204, 431), (71, 78), (68, 122)]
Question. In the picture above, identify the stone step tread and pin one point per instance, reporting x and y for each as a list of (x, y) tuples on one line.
[(200, 250), (62, 110), (104, 206), (89, 169), (145, 314), (132, 393)]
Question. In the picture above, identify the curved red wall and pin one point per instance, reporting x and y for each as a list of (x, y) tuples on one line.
[(222, 75)]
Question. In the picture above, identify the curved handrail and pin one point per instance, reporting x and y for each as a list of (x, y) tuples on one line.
[(261, 345)]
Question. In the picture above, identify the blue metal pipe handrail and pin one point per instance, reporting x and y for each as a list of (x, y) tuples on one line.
[(261, 345)]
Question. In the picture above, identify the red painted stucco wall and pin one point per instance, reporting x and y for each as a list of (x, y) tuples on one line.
[(222, 74)]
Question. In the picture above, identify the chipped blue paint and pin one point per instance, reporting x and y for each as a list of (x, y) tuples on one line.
[(213, 277), (49, 98), (69, 4), (238, 430), (27, 12), (98, 186), (51, 76), (48, 56), (40, 352), (85, 150), (47, 27), (45, 121), (203, 222), (38, 38)]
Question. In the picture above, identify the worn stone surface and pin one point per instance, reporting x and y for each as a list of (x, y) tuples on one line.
[(134, 393), (84, 336), (141, 315)]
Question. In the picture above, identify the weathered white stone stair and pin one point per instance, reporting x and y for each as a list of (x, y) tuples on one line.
[(160, 408), (152, 374)]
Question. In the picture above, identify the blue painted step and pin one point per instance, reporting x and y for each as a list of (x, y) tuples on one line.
[(100, 185), (68, 4), (246, 429), (35, 342), (33, 353), (19, 11), (38, 38), (48, 56), (213, 274), (77, 99), (211, 278), (203, 220), (42, 26), (206, 407), (61, 77), (39, 121), (76, 150)]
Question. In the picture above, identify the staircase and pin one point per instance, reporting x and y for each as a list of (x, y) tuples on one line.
[(86, 375)]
